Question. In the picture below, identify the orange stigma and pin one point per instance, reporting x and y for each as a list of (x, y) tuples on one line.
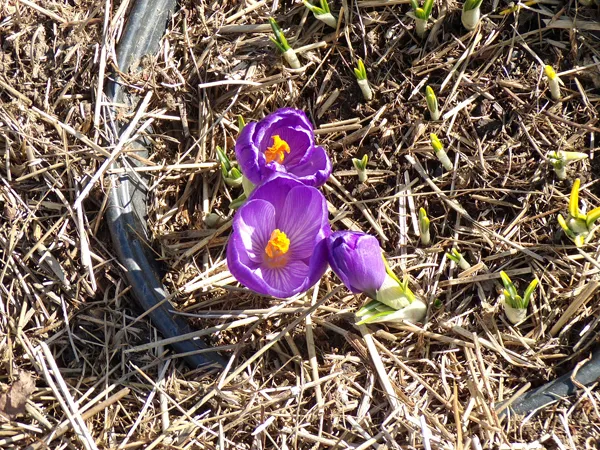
[(276, 248), (277, 151)]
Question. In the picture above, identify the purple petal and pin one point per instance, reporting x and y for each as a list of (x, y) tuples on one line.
[(286, 281), (275, 190), (247, 154), (318, 261), (356, 258), (301, 219), (255, 222), (242, 268), (315, 169)]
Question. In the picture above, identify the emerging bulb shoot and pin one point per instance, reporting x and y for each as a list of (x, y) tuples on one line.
[(360, 73), (441, 154), (361, 167), (553, 82), (281, 43)]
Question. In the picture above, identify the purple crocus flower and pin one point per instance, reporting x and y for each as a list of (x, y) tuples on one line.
[(278, 243), (356, 258), (282, 142)]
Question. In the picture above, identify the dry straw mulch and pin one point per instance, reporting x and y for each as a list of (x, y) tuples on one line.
[(77, 370)]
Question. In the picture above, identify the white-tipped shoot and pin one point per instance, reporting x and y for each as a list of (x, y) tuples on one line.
[(579, 226), (322, 12), (281, 43), (458, 258), (424, 227), (553, 82), (515, 306), (471, 13), (421, 15), (360, 73), (432, 103), (559, 160), (361, 167), (439, 151)]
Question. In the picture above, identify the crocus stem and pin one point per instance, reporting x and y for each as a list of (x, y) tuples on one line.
[(362, 176), (515, 315), (421, 27), (470, 18), (435, 115), (561, 171), (554, 88), (443, 157), (463, 264), (327, 18), (425, 237), (292, 59), (366, 89)]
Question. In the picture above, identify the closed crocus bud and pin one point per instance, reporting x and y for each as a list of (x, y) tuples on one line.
[(356, 258)]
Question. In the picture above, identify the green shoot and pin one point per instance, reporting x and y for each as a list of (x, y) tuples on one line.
[(553, 82), (458, 258), (432, 103), (471, 13), (282, 44), (441, 154), (424, 227), (578, 226), (559, 160), (231, 175), (515, 305), (361, 167), (322, 12), (360, 73), (421, 15)]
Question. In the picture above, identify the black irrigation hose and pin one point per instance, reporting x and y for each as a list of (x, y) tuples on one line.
[(127, 202), (560, 388)]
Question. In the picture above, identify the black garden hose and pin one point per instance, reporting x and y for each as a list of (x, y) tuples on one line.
[(560, 388), (128, 195)]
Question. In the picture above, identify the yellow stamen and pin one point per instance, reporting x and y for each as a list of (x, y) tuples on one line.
[(276, 249), (277, 151)]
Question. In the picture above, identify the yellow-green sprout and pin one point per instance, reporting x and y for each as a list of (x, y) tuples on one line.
[(361, 167), (360, 73), (282, 44), (515, 306), (458, 258), (553, 82), (322, 13), (422, 15), (559, 160), (241, 123), (579, 226), (424, 223), (439, 151), (432, 103), (471, 13), (231, 175)]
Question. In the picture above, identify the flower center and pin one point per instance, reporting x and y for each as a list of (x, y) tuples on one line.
[(277, 248), (277, 151)]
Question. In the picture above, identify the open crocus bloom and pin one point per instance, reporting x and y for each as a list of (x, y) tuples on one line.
[(277, 246), (282, 142)]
